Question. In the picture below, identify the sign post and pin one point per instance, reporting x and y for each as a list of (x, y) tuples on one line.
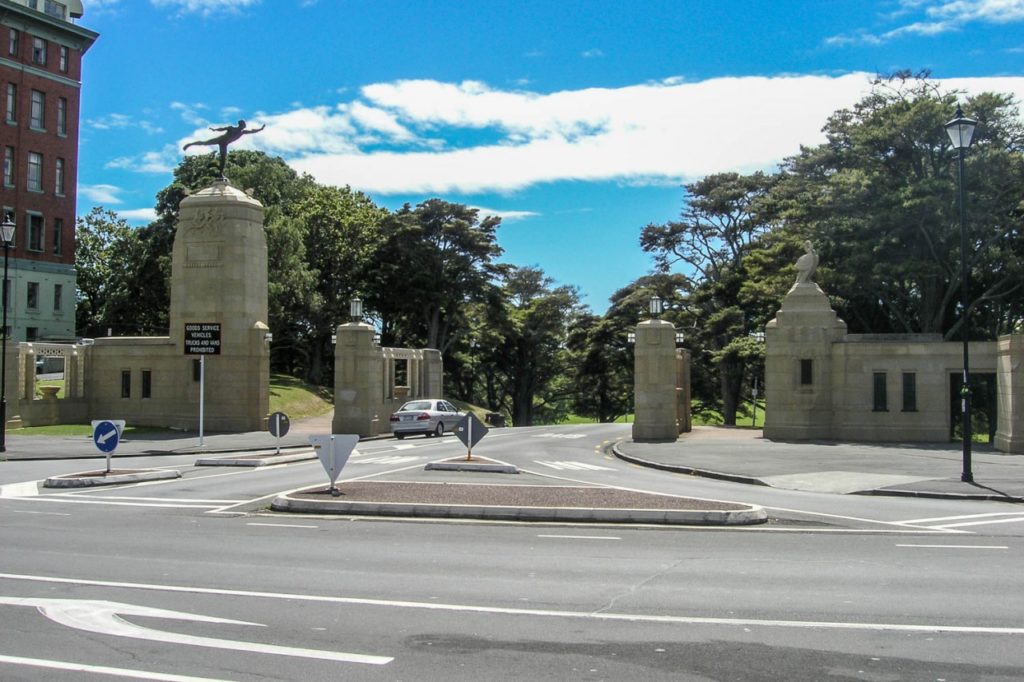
[(333, 452), (202, 339), (278, 425), (106, 434), (470, 430)]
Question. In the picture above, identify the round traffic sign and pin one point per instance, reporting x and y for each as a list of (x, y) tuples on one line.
[(278, 424), (106, 435)]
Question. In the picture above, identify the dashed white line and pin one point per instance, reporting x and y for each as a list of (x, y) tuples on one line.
[(957, 546), (581, 537), (280, 525)]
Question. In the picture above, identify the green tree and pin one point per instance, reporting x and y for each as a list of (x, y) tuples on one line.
[(435, 260), (100, 239), (725, 217), (879, 200)]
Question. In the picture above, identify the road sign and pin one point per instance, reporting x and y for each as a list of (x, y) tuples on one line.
[(278, 424), (202, 338), (333, 452), (470, 430), (106, 434)]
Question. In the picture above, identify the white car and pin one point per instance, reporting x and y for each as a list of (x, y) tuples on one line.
[(430, 417)]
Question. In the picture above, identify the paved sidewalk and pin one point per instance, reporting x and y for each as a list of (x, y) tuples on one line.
[(922, 469)]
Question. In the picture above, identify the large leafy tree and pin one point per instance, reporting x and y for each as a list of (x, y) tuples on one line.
[(435, 260), (724, 219), (102, 243), (879, 200)]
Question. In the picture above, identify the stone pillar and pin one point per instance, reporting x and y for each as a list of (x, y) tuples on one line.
[(798, 365), (433, 374), (683, 392), (654, 382), (219, 275), (1010, 394), (358, 381)]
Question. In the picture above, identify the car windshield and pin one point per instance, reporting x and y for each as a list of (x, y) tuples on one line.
[(416, 405)]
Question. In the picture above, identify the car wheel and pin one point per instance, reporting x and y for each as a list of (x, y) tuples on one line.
[(399, 436), (439, 431)]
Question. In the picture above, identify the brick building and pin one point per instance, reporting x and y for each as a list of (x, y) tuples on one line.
[(41, 51)]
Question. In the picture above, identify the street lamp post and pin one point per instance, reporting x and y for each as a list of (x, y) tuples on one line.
[(961, 131), (7, 233)]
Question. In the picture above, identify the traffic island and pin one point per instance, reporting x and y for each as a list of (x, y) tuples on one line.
[(479, 464), (88, 479), (258, 459), (539, 503)]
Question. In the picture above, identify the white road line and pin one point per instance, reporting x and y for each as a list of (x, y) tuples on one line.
[(23, 511), (280, 525), (581, 537), (572, 466), (958, 546), (980, 523), (93, 500), (902, 524), (537, 613), (149, 499), (103, 670), (963, 516), (24, 489)]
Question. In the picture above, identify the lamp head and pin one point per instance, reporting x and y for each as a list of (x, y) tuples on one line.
[(961, 129)]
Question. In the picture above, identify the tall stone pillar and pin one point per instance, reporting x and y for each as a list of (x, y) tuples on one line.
[(219, 266), (358, 381), (798, 365), (1010, 389), (654, 382)]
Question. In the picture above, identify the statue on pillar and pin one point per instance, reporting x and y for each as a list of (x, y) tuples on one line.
[(806, 264), (231, 134)]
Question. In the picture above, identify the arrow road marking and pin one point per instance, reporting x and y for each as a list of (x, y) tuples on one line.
[(104, 617)]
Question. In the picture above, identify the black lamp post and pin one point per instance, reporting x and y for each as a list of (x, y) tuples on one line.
[(961, 130), (7, 233)]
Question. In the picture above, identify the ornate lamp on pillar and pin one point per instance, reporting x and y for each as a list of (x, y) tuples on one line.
[(961, 131), (7, 233)]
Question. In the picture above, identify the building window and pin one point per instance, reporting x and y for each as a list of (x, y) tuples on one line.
[(126, 383), (62, 116), (12, 44), (63, 64), (9, 166), (806, 372), (35, 232), (58, 294), (58, 187), (38, 51), (55, 9), (32, 299), (31, 333), (58, 235), (12, 102), (37, 112), (35, 172), (909, 392), (881, 402), (147, 383)]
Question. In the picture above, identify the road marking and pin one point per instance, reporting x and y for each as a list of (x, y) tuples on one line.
[(963, 516), (280, 525), (566, 436), (103, 670), (958, 546), (186, 500), (23, 511), (538, 613), (572, 466), (25, 489), (105, 618), (68, 499), (902, 524), (389, 459), (980, 523), (582, 537)]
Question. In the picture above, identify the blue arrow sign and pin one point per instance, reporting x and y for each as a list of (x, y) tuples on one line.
[(106, 435)]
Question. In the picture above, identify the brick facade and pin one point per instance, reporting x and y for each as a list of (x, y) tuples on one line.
[(40, 84)]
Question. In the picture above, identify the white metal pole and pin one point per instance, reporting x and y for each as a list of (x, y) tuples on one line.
[(202, 395)]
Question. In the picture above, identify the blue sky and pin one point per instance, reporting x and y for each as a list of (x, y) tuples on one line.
[(577, 122)]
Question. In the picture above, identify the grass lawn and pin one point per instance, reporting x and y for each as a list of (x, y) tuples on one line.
[(292, 396)]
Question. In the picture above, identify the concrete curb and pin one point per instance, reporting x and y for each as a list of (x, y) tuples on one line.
[(490, 468), (754, 515), (682, 469), (80, 480), (975, 497), (252, 461)]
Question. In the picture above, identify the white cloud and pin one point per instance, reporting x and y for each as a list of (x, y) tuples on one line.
[(190, 113), (506, 216), (120, 121), (938, 16), (162, 161), (205, 7), (589, 54), (101, 194), (138, 215)]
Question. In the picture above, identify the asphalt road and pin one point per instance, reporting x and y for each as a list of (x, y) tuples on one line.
[(107, 584)]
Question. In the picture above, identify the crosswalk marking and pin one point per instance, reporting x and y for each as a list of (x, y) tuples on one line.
[(573, 466), (388, 459)]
